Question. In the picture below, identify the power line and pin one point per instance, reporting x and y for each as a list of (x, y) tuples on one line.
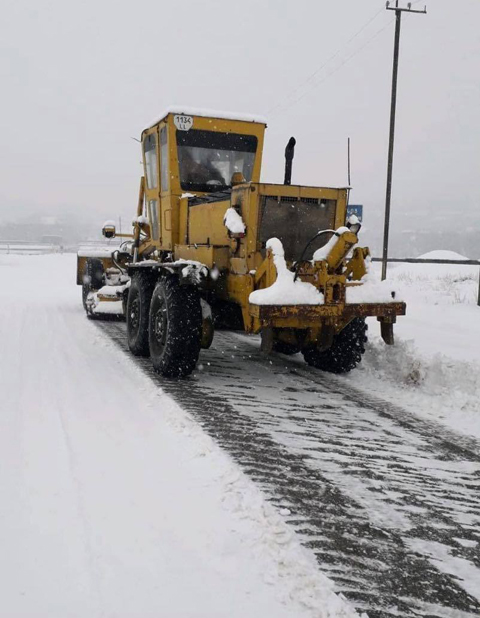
[(317, 71), (346, 44), (355, 53)]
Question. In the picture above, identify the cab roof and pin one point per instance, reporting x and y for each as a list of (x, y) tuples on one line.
[(207, 113)]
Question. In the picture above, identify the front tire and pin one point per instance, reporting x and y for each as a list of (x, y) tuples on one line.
[(346, 351), (175, 328), (138, 307), (282, 347)]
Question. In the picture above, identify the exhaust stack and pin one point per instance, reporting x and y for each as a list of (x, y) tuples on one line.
[(289, 153)]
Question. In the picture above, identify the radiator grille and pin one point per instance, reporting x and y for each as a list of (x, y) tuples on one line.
[(294, 221)]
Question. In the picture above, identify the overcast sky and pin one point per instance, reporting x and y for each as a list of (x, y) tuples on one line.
[(80, 78)]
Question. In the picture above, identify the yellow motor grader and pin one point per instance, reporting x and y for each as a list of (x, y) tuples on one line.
[(214, 247)]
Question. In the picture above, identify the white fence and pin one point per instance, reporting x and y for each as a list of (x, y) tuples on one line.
[(425, 261), (31, 247), (28, 247)]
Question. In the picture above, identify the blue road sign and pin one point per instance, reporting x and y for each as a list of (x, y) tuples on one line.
[(355, 209)]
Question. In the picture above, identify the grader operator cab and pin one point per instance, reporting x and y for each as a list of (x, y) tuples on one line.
[(213, 246)]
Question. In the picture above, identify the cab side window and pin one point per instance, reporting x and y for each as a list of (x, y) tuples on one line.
[(164, 159), (150, 150)]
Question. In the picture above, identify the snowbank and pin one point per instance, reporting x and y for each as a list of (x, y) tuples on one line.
[(442, 255), (285, 291), (433, 369), (436, 387)]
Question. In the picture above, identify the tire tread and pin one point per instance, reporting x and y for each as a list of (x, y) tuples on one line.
[(142, 285), (346, 352), (182, 346)]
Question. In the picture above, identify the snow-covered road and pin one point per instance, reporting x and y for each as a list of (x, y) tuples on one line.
[(388, 501), (114, 502), (117, 500)]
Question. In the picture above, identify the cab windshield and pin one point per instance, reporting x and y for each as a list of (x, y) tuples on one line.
[(208, 159)]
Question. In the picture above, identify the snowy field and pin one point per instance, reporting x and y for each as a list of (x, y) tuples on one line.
[(116, 503), (434, 368)]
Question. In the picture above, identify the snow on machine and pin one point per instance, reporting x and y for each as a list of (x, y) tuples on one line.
[(212, 246)]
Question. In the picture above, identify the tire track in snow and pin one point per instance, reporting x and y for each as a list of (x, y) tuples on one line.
[(58, 321), (388, 502)]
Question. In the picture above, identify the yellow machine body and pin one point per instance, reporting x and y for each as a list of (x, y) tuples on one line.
[(180, 217)]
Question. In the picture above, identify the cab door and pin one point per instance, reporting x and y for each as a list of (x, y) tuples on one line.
[(152, 184), (167, 215)]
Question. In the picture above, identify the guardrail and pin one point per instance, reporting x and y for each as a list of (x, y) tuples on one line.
[(424, 261), (28, 247), (32, 247)]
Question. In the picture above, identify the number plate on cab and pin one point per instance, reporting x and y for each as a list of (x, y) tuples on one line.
[(183, 123)]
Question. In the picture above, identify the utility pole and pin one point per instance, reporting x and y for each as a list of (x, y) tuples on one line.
[(349, 178), (393, 110)]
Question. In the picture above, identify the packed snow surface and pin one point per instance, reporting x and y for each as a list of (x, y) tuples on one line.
[(116, 503), (234, 222), (285, 291)]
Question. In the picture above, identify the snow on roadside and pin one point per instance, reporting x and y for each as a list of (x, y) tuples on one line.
[(437, 387), (118, 503), (434, 367)]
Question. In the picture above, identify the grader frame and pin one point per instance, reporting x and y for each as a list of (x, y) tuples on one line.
[(198, 167)]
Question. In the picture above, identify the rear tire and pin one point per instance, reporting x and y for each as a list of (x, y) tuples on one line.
[(93, 279), (138, 307), (346, 351), (175, 328)]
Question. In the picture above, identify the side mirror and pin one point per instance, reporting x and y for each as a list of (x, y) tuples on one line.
[(108, 229)]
